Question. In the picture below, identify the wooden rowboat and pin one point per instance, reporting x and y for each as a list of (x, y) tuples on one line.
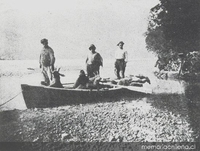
[(43, 96)]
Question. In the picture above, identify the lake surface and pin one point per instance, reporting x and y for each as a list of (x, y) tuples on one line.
[(175, 97)]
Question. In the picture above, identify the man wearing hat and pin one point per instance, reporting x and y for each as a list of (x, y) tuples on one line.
[(121, 57), (93, 62), (46, 61)]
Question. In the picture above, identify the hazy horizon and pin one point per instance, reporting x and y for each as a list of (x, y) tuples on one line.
[(71, 26)]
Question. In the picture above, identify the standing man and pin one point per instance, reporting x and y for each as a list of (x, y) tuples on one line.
[(93, 62), (121, 57), (46, 61)]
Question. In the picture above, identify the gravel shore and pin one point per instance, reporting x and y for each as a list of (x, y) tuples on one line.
[(125, 121), (128, 120)]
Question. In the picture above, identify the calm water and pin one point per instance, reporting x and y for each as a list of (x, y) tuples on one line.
[(173, 96)]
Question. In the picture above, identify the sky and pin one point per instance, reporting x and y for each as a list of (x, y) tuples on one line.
[(71, 26)]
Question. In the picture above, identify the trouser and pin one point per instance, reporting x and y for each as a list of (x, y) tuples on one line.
[(92, 70), (120, 67), (47, 75)]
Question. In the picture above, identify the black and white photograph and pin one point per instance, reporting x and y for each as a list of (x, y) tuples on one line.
[(99, 75)]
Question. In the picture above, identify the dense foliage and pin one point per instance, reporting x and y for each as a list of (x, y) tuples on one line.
[(174, 28)]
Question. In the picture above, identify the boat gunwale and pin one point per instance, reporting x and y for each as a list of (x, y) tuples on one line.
[(71, 89)]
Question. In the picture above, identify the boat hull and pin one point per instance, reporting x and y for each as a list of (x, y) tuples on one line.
[(42, 96)]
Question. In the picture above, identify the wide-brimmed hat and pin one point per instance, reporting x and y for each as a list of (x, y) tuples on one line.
[(121, 42), (44, 41), (92, 46)]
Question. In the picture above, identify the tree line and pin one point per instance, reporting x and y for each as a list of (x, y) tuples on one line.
[(174, 33)]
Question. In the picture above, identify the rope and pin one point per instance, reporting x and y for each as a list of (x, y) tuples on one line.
[(10, 99)]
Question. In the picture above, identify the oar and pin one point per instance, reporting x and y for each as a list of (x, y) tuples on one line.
[(132, 88)]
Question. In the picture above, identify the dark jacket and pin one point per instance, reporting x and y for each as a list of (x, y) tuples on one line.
[(82, 80)]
